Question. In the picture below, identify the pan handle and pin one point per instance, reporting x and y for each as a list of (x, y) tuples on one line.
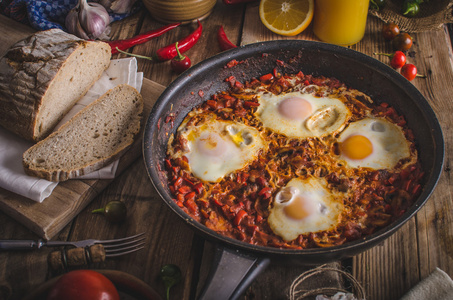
[(232, 272)]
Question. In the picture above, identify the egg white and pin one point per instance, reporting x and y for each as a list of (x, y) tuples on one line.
[(388, 140), (328, 115), (216, 148), (324, 205)]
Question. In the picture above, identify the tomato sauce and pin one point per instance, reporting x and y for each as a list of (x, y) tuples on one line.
[(238, 205)]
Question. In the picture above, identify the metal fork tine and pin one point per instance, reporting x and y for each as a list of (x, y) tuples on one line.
[(123, 253), (121, 240), (124, 248), (116, 245)]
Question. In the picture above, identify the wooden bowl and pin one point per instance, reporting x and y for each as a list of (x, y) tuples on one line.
[(184, 11)]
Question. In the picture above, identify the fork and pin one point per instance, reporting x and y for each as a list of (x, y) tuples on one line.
[(114, 247)]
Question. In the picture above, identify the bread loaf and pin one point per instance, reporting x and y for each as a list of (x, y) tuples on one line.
[(43, 76), (94, 137)]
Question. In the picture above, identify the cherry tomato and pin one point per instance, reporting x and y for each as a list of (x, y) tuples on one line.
[(409, 71), (83, 284), (398, 60), (402, 42), (390, 31), (181, 62)]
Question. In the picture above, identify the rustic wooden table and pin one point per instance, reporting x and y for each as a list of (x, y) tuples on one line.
[(387, 271)]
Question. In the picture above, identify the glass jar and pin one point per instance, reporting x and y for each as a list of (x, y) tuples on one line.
[(340, 22)]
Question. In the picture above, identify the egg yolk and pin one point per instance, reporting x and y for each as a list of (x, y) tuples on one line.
[(356, 147), (295, 108), (211, 145), (300, 208)]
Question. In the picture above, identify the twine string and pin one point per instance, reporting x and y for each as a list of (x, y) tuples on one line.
[(295, 294)]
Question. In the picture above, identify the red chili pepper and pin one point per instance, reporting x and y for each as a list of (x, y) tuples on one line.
[(168, 163), (169, 52), (224, 42), (232, 63), (416, 189), (180, 197), (181, 62), (140, 39), (184, 189), (407, 185), (217, 202), (199, 188), (189, 182), (178, 182), (205, 214), (239, 85), (265, 192), (190, 196), (239, 216), (190, 204), (212, 103), (266, 77), (251, 104)]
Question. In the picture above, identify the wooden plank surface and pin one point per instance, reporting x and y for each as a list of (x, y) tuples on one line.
[(386, 271)]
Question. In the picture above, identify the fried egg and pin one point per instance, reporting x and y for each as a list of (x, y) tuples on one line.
[(299, 115), (304, 206), (216, 148), (373, 143)]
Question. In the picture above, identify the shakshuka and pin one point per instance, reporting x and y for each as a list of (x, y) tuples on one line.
[(293, 161)]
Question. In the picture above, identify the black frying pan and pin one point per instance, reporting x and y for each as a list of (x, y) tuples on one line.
[(357, 71)]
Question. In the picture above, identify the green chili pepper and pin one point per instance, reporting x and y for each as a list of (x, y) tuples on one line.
[(377, 4), (411, 9), (114, 211), (170, 275)]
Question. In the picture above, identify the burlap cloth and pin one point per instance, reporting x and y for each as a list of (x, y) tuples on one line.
[(432, 15)]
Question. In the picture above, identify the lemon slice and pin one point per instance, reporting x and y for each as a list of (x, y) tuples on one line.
[(286, 17)]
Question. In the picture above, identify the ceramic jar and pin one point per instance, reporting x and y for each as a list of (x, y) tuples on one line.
[(184, 11)]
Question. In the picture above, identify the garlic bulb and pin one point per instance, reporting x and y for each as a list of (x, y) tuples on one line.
[(88, 20), (73, 25), (118, 6), (122, 6)]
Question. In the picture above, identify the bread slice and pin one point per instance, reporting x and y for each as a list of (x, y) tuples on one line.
[(43, 76), (94, 137)]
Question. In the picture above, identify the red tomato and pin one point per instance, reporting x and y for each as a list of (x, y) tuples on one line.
[(390, 31), (409, 71), (83, 284), (398, 60), (402, 42)]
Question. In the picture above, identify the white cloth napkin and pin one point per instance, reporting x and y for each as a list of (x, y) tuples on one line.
[(438, 285), (12, 175)]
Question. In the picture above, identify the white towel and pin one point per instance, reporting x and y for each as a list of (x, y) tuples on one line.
[(437, 286), (12, 175)]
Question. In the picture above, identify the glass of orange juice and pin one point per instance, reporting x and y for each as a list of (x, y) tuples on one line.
[(340, 22)]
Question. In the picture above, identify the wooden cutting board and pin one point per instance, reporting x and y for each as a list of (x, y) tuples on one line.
[(48, 218)]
